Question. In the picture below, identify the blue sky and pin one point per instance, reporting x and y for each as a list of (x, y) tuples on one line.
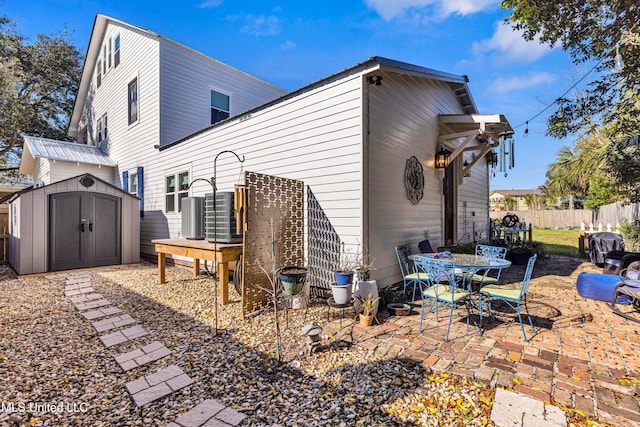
[(291, 43)]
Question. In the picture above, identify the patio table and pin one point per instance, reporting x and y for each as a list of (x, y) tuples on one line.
[(470, 264)]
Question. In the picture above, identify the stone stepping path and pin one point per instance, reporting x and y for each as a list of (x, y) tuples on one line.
[(96, 314), (86, 298), (122, 336), (140, 356), (113, 323), (157, 385), (152, 387), (209, 413), (71, 292), (82, 306)]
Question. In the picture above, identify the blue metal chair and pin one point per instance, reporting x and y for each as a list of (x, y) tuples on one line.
[(491, 252), (514, 298), (409, 276), (441, 289)]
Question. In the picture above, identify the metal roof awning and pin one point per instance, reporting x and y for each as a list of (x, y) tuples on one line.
[(481, 132)]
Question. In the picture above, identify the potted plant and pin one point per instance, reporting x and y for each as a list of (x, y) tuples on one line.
[(520, 252), (293, 278), (346, 268), (364, 266), (368, 303)]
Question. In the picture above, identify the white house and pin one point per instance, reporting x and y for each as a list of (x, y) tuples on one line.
[(363, 140)]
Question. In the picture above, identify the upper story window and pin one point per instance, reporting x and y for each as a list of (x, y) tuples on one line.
[(176, 188), (219, 106), (99, 73), (116, 52), (110, 44), (133, 101), (101, 129)]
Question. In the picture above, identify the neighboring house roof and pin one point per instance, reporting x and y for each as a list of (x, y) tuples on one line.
[(35, 147), (457, 83), (517, 193), (93, 52)]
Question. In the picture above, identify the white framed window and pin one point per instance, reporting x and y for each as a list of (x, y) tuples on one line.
[(176, 188), (133, 101), (99, 130), (133, 183), (116, 52), (219, 106), (99, 74), (104, 58), (110, 44)]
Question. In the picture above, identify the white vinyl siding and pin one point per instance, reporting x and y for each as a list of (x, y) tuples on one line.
[(314, 137), (187, 78), (403, 120)]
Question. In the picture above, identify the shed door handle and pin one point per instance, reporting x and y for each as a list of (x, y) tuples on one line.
[(90, 226), (82, 227)]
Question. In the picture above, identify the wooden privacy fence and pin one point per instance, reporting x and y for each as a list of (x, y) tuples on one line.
[(564, 218), (616, 213)]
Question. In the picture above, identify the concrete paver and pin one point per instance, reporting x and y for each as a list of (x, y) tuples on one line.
[(122, 336), (152, 387), (113, 323), (102, 312), (210, 413), (143, 355)]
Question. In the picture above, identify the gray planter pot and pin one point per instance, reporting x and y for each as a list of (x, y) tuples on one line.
[(342, 293)]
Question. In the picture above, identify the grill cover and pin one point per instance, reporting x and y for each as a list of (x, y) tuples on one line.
[(601, 243)]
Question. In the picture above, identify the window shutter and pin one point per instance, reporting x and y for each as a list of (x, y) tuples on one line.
[(125, 181), (141, 189)]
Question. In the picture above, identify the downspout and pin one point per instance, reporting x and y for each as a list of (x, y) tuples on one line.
[(365, 161)]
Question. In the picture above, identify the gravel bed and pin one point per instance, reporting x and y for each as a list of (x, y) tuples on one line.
[(51, 359)]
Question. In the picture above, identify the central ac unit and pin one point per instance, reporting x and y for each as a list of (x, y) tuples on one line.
[(220, 225), (193, 217)]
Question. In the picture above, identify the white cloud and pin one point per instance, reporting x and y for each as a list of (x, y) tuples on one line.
[(510, 44), (508, 84), (440, 9), (288, 45), (210, 4), (261, 25)]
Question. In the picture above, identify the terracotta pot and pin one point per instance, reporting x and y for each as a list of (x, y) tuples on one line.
[(366, 320)]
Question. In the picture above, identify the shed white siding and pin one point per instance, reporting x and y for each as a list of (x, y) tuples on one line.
[(403, 120), (60, 170), (186, 80), (315, 137)]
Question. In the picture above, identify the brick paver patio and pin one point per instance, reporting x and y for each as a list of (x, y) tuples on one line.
[(582, 355)]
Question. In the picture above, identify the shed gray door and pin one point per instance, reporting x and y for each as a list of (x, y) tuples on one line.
[(84, 230)]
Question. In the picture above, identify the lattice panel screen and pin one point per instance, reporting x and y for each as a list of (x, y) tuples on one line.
[(274, 234), (324, 246)]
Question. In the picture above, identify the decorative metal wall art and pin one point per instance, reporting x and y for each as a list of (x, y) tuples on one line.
[(414, 180)]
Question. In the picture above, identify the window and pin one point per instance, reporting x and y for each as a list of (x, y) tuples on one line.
[(133, 101), (176, 188), (133, 183), (110, 49), (99, 130), (219, 106), (99, 73), (116, 53)]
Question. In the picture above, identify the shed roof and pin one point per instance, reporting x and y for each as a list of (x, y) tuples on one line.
[(36, 147)]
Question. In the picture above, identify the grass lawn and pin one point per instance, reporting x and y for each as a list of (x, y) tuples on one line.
[(562, 242)]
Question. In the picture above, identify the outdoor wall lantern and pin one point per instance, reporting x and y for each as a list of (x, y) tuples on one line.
[(492, 159), (441, 158)]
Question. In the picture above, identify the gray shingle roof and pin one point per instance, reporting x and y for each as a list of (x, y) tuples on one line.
[(67, 151)]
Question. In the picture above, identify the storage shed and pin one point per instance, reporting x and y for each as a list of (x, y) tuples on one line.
[(75, 223)]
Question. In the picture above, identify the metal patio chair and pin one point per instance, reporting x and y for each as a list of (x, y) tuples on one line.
[(627, 291), (441, 289), (491, 252), (409, 276), (514, 298)]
